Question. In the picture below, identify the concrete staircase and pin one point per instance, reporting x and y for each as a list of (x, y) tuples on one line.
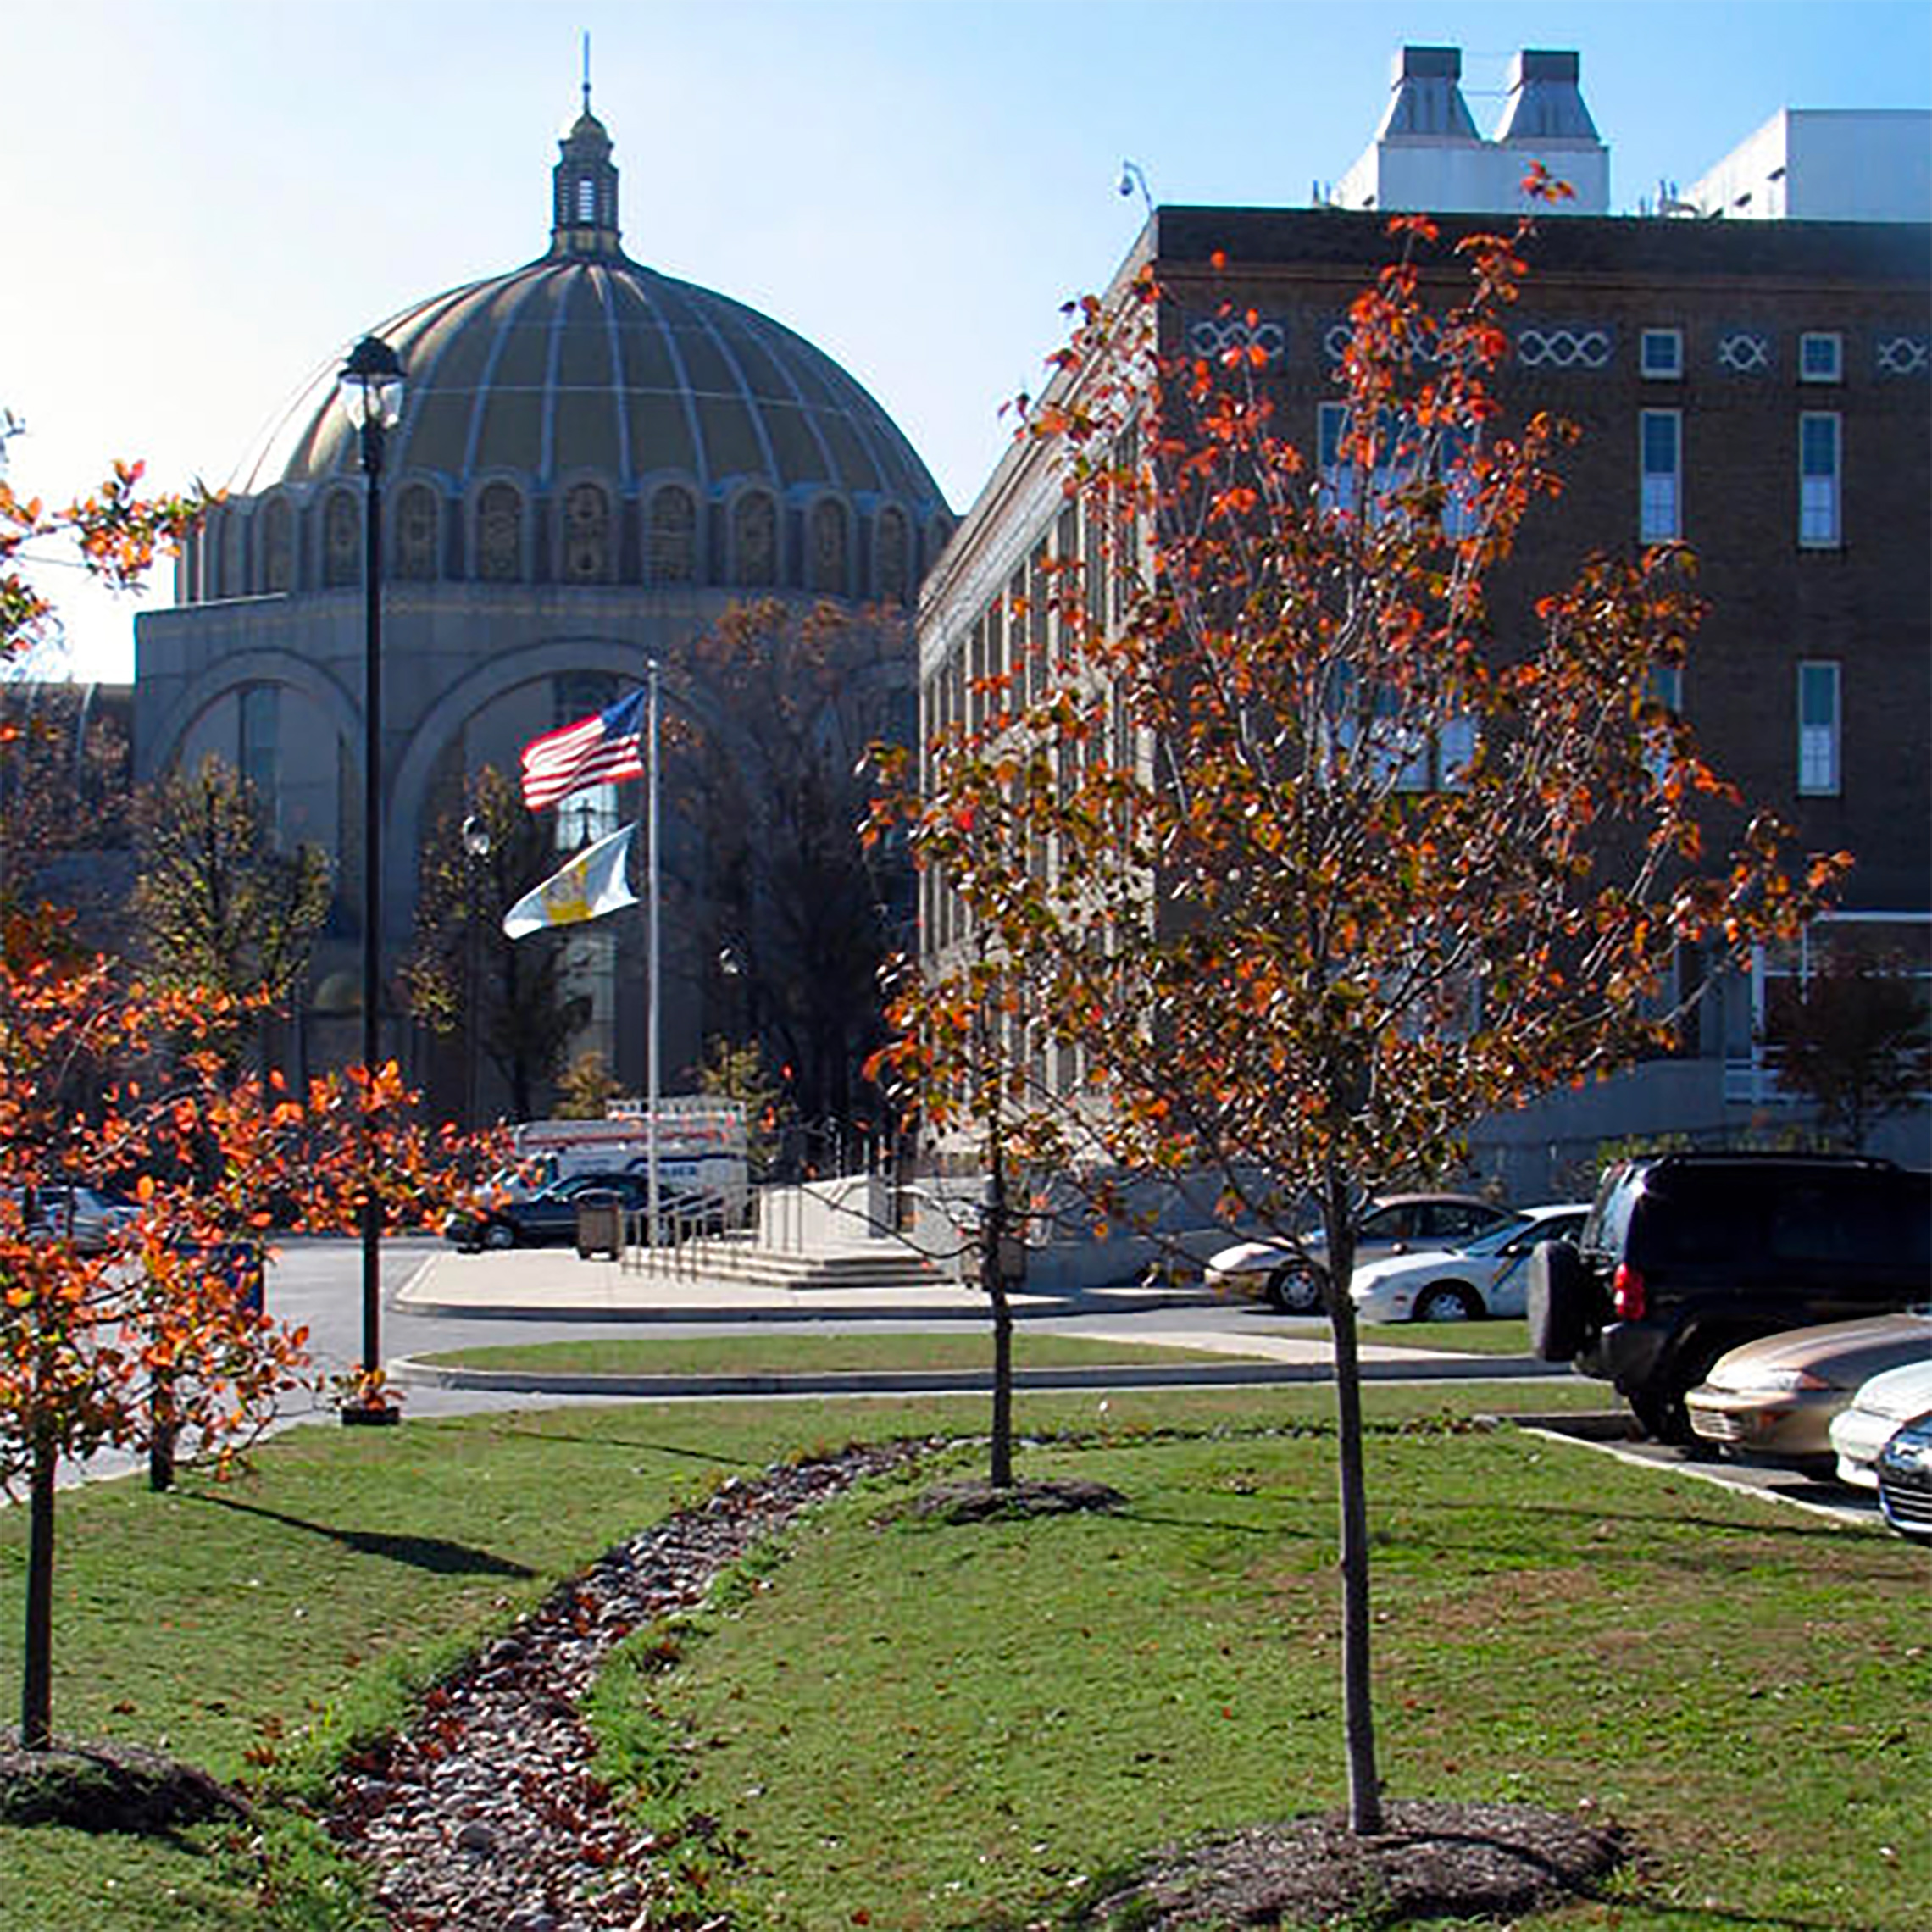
[(739, 1259)]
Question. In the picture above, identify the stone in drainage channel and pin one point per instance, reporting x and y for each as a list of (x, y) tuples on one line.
[(487, 1812)]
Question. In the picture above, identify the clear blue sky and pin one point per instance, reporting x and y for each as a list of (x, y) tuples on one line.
[(208, 199)]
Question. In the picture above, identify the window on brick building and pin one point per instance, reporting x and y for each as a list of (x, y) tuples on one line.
[(1661, 355), (1818, 735), (1820, 434), (1660, 514), (1664, 686), (1821, 356)]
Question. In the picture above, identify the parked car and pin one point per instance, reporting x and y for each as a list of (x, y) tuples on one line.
[(1905, 1479), (91, 1218), (1874, 1415), (548, 1217), (1283, 1272), (1775, 1398), (1685, 1257), (1488, 1277)]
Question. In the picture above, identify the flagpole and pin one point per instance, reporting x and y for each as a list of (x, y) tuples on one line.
[(652, 1026)]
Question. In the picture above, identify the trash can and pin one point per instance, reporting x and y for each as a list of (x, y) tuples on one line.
[(600, 1222)]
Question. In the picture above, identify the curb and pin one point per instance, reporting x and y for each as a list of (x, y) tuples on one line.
[(409, 1369), (1058, 1308)]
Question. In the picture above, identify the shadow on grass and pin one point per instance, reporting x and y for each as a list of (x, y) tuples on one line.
[(670, 1449), (436, 1554), (1666, 1910)]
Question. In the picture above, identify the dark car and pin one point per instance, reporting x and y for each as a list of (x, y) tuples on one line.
[(548, 1218), (1685, 1257)]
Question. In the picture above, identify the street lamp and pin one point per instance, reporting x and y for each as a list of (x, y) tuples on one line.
[(371, 385), (476, 846)]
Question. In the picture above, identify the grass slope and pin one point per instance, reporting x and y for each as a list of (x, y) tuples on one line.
[(928, 1724), (945, 1726)]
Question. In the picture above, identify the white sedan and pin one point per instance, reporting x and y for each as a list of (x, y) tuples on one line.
[(1489, 1276), (1883, 1405), (1283, 1271)]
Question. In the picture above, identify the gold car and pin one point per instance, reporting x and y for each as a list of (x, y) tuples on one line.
[(1775, 1397)]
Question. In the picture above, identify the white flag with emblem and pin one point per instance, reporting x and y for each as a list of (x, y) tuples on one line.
[(591, 884)]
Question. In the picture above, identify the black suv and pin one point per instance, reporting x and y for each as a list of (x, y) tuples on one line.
[(1685, 1256)]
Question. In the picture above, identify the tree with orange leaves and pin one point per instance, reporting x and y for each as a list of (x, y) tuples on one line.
[(1291, 868), (117, 532), (154, 1340)]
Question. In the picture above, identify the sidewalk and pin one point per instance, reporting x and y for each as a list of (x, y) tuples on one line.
[(553, 1284)]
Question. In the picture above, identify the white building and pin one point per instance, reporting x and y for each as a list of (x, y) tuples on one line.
[(1824, 165)]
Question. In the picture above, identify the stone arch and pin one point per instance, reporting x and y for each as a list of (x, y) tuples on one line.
[(756, 551), (412, 783), (232, 567), (828, 548), (671, 538), (938, 531), (278, 545), (341, 540), (228, 676), (585, 532), (414, 553), (891, 574), (497, 547)]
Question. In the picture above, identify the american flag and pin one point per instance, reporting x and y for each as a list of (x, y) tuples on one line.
[(595, 750)]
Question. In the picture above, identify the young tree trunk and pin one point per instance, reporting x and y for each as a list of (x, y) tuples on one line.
[(161, 1433), (992, 1239), (37, 1668), (1358, 1690)]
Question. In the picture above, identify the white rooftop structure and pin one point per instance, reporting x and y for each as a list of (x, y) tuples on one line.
[(1428, 155), (1823, 164)]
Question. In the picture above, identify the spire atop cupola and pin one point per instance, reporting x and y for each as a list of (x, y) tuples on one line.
[(584, 191)]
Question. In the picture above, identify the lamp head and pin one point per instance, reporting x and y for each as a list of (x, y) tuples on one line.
[(371, 384)]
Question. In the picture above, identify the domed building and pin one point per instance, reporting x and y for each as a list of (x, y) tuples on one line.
[(593, 463)]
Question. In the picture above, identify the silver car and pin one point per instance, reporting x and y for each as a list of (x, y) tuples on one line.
[(1882, 1405)]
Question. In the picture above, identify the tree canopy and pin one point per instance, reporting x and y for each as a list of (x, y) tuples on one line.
[(1265, 853)]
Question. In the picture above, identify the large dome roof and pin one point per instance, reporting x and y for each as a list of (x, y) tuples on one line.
[(584, 361)]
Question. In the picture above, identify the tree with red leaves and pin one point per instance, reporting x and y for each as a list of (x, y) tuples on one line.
[(1291, 867)]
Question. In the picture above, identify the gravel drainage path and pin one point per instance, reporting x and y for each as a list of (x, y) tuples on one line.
[(487, 1813)]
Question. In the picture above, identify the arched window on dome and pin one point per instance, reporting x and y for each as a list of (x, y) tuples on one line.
[(587, 534), (888, 555), (341, 540), (499, 534), (937, 531), (829, 545), (673, 536), (416, 524), (278, 546), (234, 554), (754, 539)]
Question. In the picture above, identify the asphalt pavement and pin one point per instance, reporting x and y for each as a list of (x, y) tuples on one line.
[(437, 1299)]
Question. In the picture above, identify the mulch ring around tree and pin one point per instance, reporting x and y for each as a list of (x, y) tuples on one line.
[(1434, 1860), (979, 1500), (107, 1787)]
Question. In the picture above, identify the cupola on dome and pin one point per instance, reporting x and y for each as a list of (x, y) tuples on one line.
[(707, 437)]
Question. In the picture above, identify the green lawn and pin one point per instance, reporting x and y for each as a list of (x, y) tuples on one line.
[(768, 1354), (781, 1354), (950, 1727), (1457, 1338)]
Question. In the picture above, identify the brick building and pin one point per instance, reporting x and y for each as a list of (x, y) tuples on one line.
[(1756, 388)]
